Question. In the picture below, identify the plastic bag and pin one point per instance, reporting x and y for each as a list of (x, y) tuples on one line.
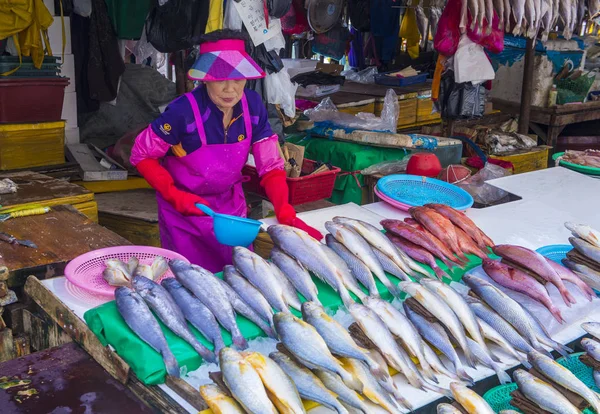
[(82, 7), (281, 91), (387, 167), (493, 41), (326, 111), (482, 192), (447, 34), (232, 19), (364, 76), (460, 100), (176, 25), (295, 22), (471, 64)]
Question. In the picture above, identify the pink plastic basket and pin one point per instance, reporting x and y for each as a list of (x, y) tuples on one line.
[(393, 203), (86, 270)]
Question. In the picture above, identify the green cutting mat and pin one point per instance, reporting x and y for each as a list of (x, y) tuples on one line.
[(499, 397), (106, 322)]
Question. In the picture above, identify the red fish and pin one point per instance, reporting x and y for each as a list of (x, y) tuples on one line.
[(418, 253), (414, 223), (460, 220), (418, 237), (569, 276), (537, 263), (520, 281), (439, 226), (467, 245)]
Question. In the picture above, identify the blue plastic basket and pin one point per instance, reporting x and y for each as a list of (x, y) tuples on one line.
[(555, 252), (415, 190), (384, 79)]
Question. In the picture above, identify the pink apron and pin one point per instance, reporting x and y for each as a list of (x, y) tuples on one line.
[(214, 172)]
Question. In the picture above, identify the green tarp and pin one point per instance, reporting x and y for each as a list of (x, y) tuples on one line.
[(351, 158)]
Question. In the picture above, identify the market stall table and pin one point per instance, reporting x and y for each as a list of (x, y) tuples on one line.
[(555, 118), (529, 222)]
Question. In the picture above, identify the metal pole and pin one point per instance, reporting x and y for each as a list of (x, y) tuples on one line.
[(527, 87), (179, 73)]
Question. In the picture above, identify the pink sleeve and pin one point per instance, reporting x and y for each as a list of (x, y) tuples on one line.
[(266, 155), (148, 145)]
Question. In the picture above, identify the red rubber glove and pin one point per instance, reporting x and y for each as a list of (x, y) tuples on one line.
[(278, 192), (160, 179)]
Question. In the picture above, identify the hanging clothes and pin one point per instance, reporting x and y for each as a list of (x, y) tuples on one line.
[(385, 25), (409, 30), (215, 16)]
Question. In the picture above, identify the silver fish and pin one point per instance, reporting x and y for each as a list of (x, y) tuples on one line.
[(543, 394), (587, 249), (308, 384), (436, 364), (587, 274), (242, 308), (447, 409), (581, 230), (308, 251), (372, 389), (399, 325), (506, 307), (361, 249), (377, 331), (260, 273), (289, 291), (218, 401), (205, 286), (593, 328), (378, 240), (144, 271), (159, 267), (518, 8), (504, 328), (140, 319), (563, 377), (357, 267), (248, 293), (469, 399), (195, 312), (132, 264), (461, 308), (305, 343), (280, 387), (336, 337), (390, 266), (493, 335), (438, 308), (120, 266), (343, 269), (162, 303), (484, 358), (597, 378), (244, 383), (436, 336), (296, 273), (115, 277), (544, 337), (592, 347), (344, 394)]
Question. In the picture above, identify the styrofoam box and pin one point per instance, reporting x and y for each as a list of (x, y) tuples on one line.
[(71, 136), (297, 66), (67, 70), (55, 35), (69, 112), (50, 6)]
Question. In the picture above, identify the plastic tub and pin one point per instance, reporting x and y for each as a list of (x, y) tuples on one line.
[(447, 154), (32, 100), (384, 79)]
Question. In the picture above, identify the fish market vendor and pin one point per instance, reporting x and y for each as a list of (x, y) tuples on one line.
[(195, 151)]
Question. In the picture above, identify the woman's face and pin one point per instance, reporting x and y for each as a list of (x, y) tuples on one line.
[(226, 94)]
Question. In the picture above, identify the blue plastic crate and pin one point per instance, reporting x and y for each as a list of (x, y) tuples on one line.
[(383, 79)]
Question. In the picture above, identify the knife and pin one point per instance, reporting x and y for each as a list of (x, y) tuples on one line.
[(5, 237)]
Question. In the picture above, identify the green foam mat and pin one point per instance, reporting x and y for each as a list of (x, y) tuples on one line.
[(499, 397)]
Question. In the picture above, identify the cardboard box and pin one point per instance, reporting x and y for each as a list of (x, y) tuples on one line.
[(330, 68)]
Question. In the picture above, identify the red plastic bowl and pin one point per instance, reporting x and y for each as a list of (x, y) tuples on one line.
[(425, 164)]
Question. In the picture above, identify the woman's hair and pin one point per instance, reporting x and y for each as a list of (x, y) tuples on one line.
[(225, 34)]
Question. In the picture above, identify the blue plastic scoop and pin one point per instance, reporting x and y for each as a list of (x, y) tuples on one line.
[(232, 230)]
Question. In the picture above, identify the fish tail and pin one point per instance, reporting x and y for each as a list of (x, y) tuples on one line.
[(270, 332), (345, 375), (403, 401), (219, 344), (238, 340), (503, 377), (561, 349), (393, 289), (346, 299), (517, 30), (462, 374), (470, 358), (525, 363), (556, 313), (171, 364), (542, 350), (429, 374), (204, 352)]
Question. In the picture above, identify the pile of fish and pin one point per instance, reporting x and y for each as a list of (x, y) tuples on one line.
[(587, 158), (592, 347), (527, 272), (528, 17), (584, 259), (118, 273)]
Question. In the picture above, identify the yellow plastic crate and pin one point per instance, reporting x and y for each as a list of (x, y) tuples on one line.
[(353, 110), (526, 161), (407, 114), (31, 145), (424, 110)]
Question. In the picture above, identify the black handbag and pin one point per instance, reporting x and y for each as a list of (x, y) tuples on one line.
[(177, 24)]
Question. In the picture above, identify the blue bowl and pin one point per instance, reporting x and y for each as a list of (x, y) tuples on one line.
[(555, 252), (232, 230)]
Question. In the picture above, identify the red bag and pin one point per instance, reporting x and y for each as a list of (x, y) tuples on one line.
[(447, 35), (295, 21), (494, 42)]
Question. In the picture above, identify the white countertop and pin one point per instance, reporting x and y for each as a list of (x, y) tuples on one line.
[(550, 197)]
